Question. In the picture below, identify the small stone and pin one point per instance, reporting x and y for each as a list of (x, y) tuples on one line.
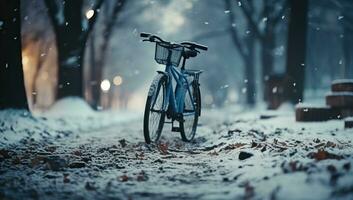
[(66, 178), (77, 153), (263, 149), (142, 176), (55, 163), (347, 166), (245, 155), (77, 164), (122, 143), (332, 169), (90, 186), (253, 144)]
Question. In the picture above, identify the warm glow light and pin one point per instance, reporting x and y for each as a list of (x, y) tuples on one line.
[(118, 80), (25, 63), (25, 60), (105, 85), (89, 14)]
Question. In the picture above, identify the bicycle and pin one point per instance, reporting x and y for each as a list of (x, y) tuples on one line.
[(181, 103)]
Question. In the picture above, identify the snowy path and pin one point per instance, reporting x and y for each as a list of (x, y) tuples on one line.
[(285, 162)]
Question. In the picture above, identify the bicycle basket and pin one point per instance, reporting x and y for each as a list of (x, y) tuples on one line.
[(161, 54)]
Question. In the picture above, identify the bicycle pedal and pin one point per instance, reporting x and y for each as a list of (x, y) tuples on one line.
[(176, 129)]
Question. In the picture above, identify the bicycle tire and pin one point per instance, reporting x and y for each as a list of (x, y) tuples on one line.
[(187, 134), (158, 85)]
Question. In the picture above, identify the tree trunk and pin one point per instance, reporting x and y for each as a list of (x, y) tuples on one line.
[(267, 60), (71, 32), (71, 41), (43, 48), (97, 67), (249, 70), (348, 43), (12, 89), (296, 50), (70, 59), (96, 76)]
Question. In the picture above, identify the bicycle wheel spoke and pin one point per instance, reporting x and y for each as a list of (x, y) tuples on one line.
[(189, 117), (156, 111)]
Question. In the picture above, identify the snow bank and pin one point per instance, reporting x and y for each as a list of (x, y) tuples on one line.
[(71, 106), (338, 81), (339, 94), (65, 117)]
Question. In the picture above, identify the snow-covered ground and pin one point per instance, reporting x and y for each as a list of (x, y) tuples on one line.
[(236, 155), (63, 118)]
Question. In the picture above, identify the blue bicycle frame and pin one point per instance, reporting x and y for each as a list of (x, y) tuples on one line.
[(176, 99)]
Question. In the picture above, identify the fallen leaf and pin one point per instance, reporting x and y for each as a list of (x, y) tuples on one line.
[(163, 148), (142, 176), (123, 178), (233, 146), (323, 155)]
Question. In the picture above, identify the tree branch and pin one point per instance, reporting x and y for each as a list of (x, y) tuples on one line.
[(251, 21), (53, 10), (279, 15), (233, 32), (110, 20), (92, 20)]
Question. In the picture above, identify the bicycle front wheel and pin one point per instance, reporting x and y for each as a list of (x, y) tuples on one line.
[(192, 108), (154, 114)]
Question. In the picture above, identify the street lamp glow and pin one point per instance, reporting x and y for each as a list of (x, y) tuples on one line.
[(89, 14), (25, 60), (118, 80), (105, 85)]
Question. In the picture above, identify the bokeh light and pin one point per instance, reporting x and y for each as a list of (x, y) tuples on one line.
[(89, 14), (105, 85), (118, 80)]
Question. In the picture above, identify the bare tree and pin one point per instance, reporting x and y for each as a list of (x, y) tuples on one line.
[(41, 57), (271, 13), (245, 47), (35, 35), (296, 50), (347, 38), (71, 29), (112, 9), (13, 94)]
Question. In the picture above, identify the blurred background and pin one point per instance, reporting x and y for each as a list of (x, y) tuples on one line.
[(245, 64)]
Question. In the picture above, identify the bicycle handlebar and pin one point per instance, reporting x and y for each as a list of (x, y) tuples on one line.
[(150, 37), (144, 34), (187, 44), (195, 45)]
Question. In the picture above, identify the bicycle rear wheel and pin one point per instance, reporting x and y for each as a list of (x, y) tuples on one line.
[(154, 114), (192, 108)]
